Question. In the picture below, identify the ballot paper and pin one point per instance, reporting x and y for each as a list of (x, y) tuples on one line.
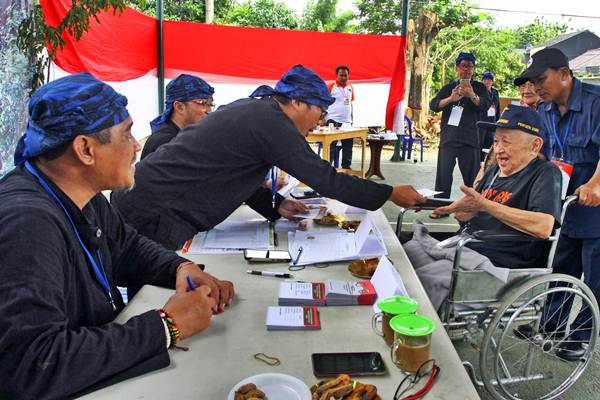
[(387, 281), (330, 293), (317, 201), (289, 186), (231, 236), (336, 245), (427, 192), (285, 225), (292, 318), (355, 210)]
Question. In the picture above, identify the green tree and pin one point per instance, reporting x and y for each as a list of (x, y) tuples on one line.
[(429, 18), (182, 10), (537, 32), (262, 14), (320, 15)]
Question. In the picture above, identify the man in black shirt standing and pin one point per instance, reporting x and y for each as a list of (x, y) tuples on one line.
[(462, 103), (189, 100), (491, 115)]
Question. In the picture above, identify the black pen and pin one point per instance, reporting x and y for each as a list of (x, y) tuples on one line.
[(275, 240), (300, 250), (270, 273)]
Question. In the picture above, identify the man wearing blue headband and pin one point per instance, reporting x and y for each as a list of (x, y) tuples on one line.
[(222, 161), (189, 100), (462, 103), (64, 250)]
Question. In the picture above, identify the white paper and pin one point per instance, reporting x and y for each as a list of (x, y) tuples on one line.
[(355, 210), (455, 116), (285, 316), (285, 225), (317, 201), (296, 290), (232, 235), (336, 245), (311, 214), (387, 281), (289, 186), (491, 112), (427, 192)]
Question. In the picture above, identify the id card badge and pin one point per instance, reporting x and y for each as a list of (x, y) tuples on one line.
[(455, 115), (566, 170), (346, 100), (491, 111)]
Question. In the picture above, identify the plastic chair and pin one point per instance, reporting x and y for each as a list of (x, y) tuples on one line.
[(408, 140)]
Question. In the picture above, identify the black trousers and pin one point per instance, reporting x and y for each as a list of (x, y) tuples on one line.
[(468, 163), (346, 149)]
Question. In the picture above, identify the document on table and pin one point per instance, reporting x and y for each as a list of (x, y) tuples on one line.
[(427, 192), (231, 236), (312, 213), (387, 281), (336, 245), (289, 186), (355, 210)]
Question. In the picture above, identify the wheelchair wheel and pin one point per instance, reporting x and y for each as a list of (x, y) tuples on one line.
[(517, 366)]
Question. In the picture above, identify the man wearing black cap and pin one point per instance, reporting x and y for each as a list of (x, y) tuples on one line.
[(462, 103), (519, 194), (571, 113)]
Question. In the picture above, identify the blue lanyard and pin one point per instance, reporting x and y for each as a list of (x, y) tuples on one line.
[(562, 143), (274, 174), (100, 273)]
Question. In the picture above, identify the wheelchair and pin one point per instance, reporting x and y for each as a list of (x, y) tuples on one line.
[(486, 313)]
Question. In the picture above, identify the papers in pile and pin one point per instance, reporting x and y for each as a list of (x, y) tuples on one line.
[(231, 236), (292, 318), (330, 293), (336, 245)]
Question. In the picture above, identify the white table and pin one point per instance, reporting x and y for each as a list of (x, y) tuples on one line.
[(222, 355)]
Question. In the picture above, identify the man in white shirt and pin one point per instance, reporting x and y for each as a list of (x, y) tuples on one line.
[(340, 113)]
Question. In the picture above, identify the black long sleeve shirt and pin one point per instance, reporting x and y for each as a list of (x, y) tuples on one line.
[(210, 168), (165, 133), (57, 335), (466, 131)]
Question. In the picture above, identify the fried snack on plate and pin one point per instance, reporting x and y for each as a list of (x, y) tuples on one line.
[(254, 393), (341, 380), (337, 392), (366, 392), (245, 388)]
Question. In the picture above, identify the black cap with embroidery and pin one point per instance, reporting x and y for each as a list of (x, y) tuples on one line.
[(518, 117), (540, 62)]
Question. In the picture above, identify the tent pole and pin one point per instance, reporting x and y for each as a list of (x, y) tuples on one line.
[(403, 31), (161, 58)]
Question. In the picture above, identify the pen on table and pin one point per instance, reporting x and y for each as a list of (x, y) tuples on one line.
[(190, 283), (270, 273), (300, 250), (275, 240)]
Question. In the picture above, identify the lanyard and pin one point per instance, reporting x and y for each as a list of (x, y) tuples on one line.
[(99, 270), (562, 143), (274, 175)]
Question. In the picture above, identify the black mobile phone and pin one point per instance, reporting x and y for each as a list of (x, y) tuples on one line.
[(267, 255), (353, 364), (311, 194), (435, 203)]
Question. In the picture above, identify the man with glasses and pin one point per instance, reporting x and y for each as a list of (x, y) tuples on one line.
[(189, 100), (221, 162), (462, 103), (571, 112)]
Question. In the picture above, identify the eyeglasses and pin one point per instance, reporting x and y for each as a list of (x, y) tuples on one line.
[(466, 66), (203, 102), (323, 113), (430, 368)]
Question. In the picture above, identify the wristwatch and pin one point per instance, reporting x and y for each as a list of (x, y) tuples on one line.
[(475, 97)]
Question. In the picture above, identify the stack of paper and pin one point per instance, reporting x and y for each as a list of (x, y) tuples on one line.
[(336, 245), (293, 318), (231, 236), (330, 292)]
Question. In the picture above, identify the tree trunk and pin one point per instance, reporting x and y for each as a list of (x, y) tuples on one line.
[(15, 75), (427, 28), (209, 11)]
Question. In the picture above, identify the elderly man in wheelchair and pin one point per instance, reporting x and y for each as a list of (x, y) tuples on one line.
[(495, 275)]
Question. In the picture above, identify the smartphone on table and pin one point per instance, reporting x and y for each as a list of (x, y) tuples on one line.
[(353, 364)]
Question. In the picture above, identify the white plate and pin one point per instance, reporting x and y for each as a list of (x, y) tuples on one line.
[(276, 387)]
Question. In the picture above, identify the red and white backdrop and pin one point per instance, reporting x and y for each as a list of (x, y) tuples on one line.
[(122, 50)]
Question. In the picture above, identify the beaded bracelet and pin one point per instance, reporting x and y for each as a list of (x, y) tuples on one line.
[(174, 332)]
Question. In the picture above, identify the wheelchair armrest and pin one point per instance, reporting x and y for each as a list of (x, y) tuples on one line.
[(505, 237)]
